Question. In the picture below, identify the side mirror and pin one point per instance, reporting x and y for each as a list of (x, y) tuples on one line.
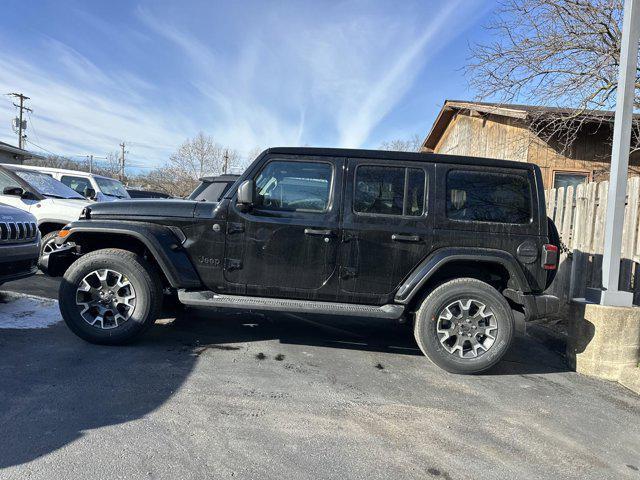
[(89, 193), (15, 191), (246, 192)]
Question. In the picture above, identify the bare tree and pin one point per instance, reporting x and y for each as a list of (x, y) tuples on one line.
[(197, 157), (201, 155), (252, 155), (553, 53), (111, 166), (57, 161), (109, 169), (411, 144)]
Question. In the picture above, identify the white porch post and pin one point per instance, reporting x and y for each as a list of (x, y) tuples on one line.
[(620, 158)]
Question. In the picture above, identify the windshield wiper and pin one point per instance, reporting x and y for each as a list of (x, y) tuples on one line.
[(52, 195)]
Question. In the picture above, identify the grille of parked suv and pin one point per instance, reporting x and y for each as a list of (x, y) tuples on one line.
[(17, 231)]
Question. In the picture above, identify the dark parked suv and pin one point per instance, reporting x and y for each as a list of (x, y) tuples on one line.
[(460, 246), (19, 244)]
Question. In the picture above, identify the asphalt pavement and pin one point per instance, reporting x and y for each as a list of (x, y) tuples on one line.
[(224, 394)]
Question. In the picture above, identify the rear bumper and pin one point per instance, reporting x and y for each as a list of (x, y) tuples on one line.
[(18, 261), (535, 306)]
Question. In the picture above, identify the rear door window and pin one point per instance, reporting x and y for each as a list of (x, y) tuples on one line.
[(475, 196), (381, 190)]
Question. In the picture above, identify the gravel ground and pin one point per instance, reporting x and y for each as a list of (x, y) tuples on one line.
[(216, 394)]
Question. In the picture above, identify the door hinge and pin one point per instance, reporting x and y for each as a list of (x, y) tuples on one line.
[(348, 236), (348, 272), (235, 227), (231, 264)]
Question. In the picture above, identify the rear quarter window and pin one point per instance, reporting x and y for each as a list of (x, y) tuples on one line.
[(492, 197)]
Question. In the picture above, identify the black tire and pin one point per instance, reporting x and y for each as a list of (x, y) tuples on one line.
[(48, 238), (554, 239), (139, 273), (426, 321)]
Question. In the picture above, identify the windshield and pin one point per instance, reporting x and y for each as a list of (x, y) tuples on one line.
[(111, 187), (46, 185)]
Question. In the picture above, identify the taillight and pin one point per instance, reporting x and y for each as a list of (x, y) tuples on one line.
[(549, 256)]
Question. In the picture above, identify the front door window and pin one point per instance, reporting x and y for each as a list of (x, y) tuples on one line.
[(294, 186)]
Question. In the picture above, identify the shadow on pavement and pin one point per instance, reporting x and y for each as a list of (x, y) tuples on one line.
[(527, 356), (54, 386)]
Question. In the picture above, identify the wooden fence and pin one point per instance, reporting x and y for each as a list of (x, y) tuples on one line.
[(579, 216)]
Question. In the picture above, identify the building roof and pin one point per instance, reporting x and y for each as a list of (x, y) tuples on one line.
[(11, 149), (523, 112)]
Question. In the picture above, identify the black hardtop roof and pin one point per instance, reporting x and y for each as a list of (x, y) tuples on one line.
[(406, 156), (220, 178)]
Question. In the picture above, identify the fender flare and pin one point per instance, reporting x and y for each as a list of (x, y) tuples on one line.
[(163, 244), (429, 266)]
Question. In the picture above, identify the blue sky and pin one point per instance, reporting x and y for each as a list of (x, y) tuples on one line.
[(250, 73)]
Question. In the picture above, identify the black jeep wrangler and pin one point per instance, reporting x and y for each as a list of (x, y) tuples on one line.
[(460, 246)]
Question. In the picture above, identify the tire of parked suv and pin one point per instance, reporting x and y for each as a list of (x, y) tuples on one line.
[(139, 277), (441, 303), (47, 240)]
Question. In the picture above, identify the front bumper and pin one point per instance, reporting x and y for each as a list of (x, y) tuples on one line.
[(57, 262), (18, 261), (534, 305)]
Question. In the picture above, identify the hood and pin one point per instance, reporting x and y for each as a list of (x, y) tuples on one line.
[(157, 207), (71, 203), (12, 214)]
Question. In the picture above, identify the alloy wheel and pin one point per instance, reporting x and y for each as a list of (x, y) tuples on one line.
[(106, 298), (467, 328)]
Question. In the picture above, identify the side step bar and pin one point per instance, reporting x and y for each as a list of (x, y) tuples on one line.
[(206, 298)]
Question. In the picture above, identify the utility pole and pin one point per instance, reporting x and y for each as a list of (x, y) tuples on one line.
[(122, 146), (91, 159), (225, 165), (620, 158), (22, 125)]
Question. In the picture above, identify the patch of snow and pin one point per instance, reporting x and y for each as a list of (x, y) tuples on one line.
[(19, 311)]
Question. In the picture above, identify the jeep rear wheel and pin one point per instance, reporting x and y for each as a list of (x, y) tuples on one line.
[(464, 326), (110, 296)]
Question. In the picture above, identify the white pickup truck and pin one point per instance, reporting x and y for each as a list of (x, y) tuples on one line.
[(51, 202)]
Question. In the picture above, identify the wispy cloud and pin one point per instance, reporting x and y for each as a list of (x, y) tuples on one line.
[(290, 74), (81, 109)]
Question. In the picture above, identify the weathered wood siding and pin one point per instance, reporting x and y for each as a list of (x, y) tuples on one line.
[(489, 136), (590, 153), (496, 136)]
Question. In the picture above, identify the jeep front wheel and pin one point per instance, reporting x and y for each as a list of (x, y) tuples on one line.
[(110, 296), (464, 326)]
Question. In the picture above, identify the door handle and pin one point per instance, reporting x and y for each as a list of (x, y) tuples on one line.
[(398, 237), (319, 232)]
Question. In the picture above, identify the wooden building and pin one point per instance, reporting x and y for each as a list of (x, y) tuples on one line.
[(11, 154), (507, 132)]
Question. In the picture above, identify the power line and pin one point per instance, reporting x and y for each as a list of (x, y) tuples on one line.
[(42, 148)]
